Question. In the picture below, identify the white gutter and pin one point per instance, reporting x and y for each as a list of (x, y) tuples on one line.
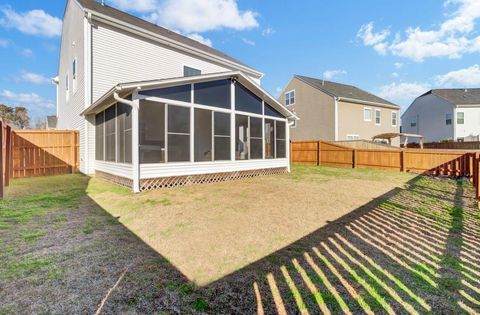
[(352, 100), (132, 104), (169, 42)]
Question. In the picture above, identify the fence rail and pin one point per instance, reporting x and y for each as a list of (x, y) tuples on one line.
[(28, 153), (453, 163)]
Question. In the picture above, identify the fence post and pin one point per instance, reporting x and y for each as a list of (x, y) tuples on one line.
[(402, 161), (354, 158), (2, 170), (477, 174), (318, 154), (8, 155), (72, 149)]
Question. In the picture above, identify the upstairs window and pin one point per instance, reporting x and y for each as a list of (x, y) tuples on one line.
[(190, 72), (67, 87), (378, 115), (460, 118), (74, 75), (367, 114), (290, 98), (448, 119), (394, 119), (413, 122)]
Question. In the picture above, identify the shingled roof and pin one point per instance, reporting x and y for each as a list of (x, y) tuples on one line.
[(458, 96), (111, 12), (343, 90)]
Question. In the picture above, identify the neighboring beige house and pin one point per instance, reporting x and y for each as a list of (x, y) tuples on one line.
[(333, 111)]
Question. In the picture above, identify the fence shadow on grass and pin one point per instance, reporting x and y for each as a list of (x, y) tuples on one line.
[(411, 250)]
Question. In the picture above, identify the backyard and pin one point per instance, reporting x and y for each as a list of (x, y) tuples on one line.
[(318, 240)]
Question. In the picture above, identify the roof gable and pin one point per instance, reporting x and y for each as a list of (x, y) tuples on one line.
[(124, 17), (458, 96), (343, 90)]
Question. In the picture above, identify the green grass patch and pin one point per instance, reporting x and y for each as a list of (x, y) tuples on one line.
[(32, 236), (200, 305), (27, 267)]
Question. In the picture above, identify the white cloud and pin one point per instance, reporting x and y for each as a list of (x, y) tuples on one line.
[(29, 100), (467, 77), (193, 16), (34, 78), (402, 93), (398, 65), (143, 6), (27, 52), (395, 74), (4, 43), (278, 90), (248, 42), (35, 22), (330, 74), (453, 38), (268, 31), (201, 39)]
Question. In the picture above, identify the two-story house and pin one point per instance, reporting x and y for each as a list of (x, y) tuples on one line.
[(334, 111), (445, 114), (155, 108)]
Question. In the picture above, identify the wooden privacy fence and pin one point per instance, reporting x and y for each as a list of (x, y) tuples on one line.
[(453, 163), (28, 153)]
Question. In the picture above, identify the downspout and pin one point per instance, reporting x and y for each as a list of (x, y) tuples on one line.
[(336, 117), (135, 146)]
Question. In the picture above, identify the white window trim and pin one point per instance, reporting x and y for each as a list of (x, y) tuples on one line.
[(294, 97), (75, 77), (378, 111), (353, 137), (364, 110), (396, 119), (456, 120)]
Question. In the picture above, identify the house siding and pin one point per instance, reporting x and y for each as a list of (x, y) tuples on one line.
[(119, 57), (471, 126), (315, 109), (431, 112), (351, 121), (72, 46)]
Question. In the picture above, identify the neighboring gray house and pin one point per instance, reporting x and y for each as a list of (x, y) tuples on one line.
[(51, 123), (445, 114), (151, 104), (334, 111)]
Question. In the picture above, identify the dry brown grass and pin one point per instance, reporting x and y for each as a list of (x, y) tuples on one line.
[(320, 240)]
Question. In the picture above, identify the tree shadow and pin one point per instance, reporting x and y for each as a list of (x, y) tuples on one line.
[(403, 252)]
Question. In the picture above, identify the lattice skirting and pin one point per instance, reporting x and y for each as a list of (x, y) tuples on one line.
[(164, 182), (121, 181)]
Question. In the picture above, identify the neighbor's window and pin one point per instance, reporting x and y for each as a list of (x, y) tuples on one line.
[(290, 98), (448, 119), (203, 135), (99, 136), (281, 136), (190, 72), (256, 138), (152, 132), (353, 137), (178, 142), (221, 143), (367, 114), (460, 118), (67, 87), (394, 119), (413, 122), (269, 138), (241, 143), (378, 115), (74, 75)]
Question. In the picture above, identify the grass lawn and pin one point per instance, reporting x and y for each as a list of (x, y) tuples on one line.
[(317, 240)]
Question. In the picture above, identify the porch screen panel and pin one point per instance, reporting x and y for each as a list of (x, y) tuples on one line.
[(280, 134), (241, 142), (178, 93), (213, 93), (222, 136), (256, 145), (99, 136), (246, 101), (124, 133), (152, 132), (110, 130), (270, 111), (178, 134), (269, 138), (203, 135)]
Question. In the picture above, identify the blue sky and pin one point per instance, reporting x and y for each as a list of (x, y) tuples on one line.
[(396, 49)]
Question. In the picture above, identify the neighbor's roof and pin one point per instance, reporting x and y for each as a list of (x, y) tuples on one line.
[(106, 10), (124, 89), (458, 96), (52, 121), (348, 92)]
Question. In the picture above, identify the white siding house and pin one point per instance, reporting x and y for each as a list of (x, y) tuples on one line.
[(444, 114), (118, 72)]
